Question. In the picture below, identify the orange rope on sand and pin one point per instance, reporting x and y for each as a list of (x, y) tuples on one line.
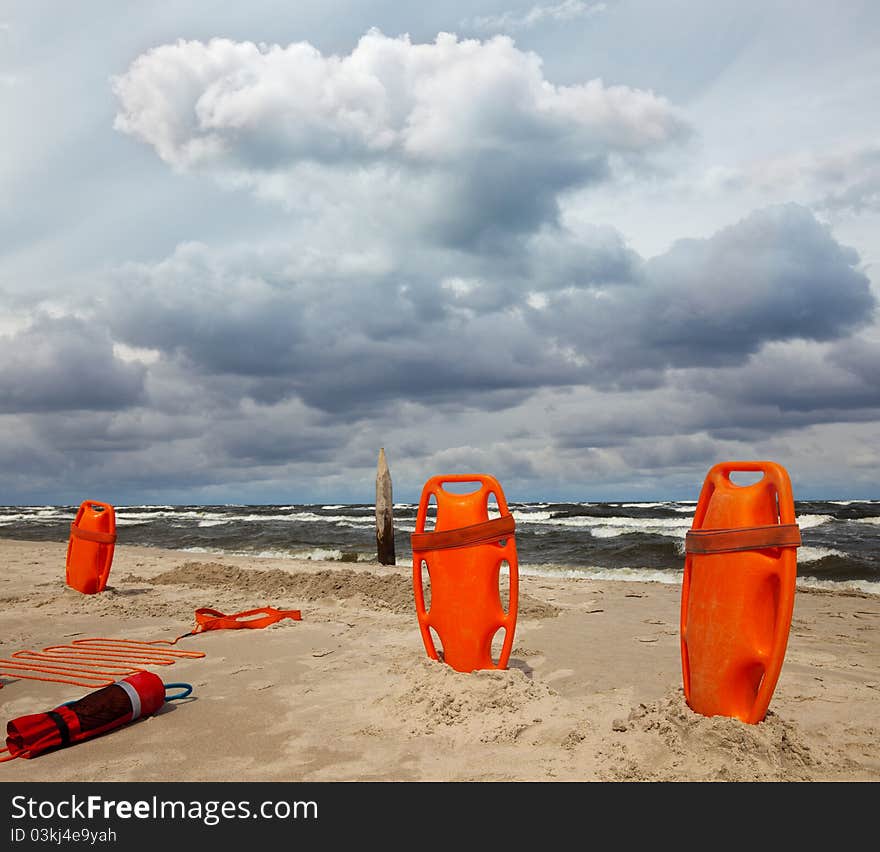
[(92, 662)]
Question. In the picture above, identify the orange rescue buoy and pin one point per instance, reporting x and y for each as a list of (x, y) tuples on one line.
[(738, 591), (463, 556), (90, 548)]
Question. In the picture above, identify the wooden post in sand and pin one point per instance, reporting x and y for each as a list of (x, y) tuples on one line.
[(384, 513)]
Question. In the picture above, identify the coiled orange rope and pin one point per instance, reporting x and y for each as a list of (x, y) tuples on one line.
[(92, 662)]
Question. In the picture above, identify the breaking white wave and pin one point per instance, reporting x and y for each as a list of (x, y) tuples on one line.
[(636, 575), (39, 515), (806, 522), (613, 526), (812, 554), (864, 586), (531, 517), (316, 554)]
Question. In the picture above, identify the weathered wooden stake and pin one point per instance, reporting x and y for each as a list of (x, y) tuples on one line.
[(384, 513)]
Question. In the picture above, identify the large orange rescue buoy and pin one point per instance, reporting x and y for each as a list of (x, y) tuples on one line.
[(90, 548), (463, 556), (738, 591)]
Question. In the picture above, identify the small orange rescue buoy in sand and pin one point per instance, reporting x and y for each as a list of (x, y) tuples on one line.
[(90, 548), (738, 591), (463, 555)]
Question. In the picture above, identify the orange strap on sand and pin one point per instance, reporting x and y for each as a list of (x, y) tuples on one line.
[(745, 538), (212, 619), (92, 535), (482, 533)]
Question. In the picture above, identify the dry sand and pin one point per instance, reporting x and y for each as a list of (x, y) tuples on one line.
[(592, 692)]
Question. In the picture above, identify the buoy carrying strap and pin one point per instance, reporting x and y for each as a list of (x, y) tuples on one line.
[(744, 538), (482, 533), (92, 535), (212, 619)]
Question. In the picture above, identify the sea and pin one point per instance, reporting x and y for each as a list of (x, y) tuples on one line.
[(601, 540)]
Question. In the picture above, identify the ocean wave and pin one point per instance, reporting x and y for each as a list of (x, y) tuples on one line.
[(866, 587), (635, 575), (814, 554), (145, 506), (806, 522), (611, 531), (312, 518), (124, 516), (873, 521), (531, 517), (128, 518), (316, 554), (323, 555), (9, 520), (41, 516), (619, 525)]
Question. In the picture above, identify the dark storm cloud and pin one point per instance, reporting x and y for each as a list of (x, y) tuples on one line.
[(776, 275), (65, 364), (347, 344), (274, 442), (798, 380), (236, 321), (340, 345), (859, 357)]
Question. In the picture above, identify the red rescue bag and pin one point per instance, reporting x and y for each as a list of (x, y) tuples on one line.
[(133, 697)]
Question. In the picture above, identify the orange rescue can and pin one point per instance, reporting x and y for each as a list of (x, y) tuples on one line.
[(463, 555), (738, 591), (90, 548)]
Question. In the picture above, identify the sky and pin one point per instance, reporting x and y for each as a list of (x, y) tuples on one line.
[(589, 248)]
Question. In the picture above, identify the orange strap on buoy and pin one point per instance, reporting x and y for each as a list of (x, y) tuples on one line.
[(212, 619), (92, 535), (488, 531), (747, 538), (738, 590), (463, 556)]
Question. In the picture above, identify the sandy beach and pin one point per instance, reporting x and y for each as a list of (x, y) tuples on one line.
[(592, 693)]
